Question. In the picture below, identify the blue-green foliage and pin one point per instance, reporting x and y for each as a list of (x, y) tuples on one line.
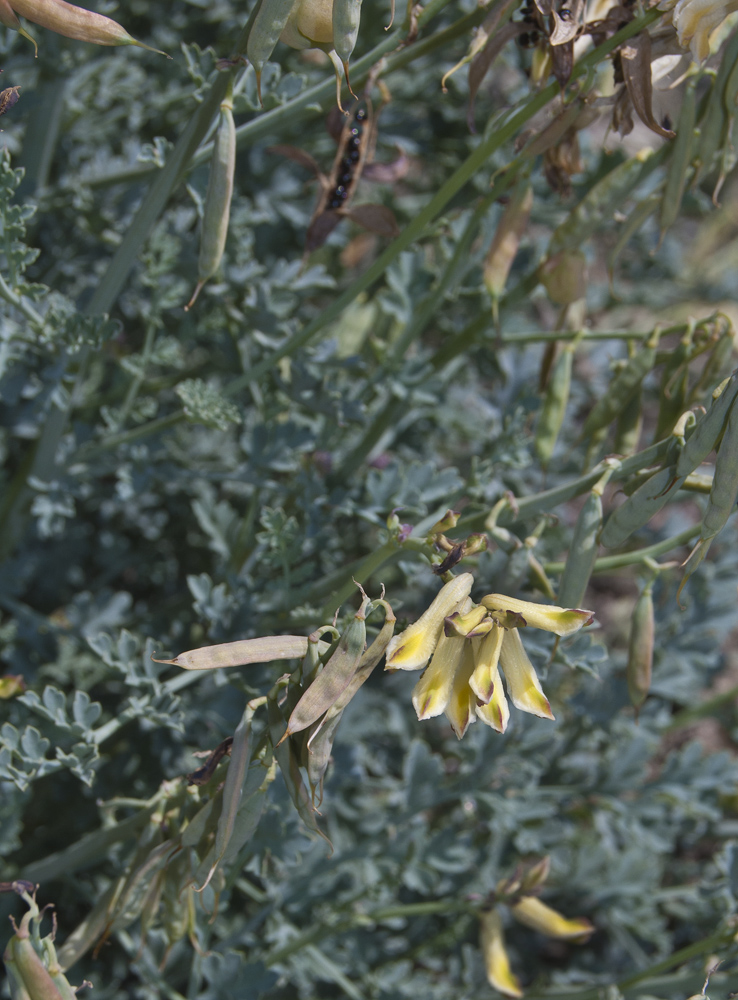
[(155, 498)]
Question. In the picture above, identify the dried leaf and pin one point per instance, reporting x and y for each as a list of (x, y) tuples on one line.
[(8, 98), (562, 58), (481, 62), (320, 229), (635, 58), (375, 218), (387, 173)]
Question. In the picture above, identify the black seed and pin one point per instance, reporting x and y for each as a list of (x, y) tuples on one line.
[(345, 178), (346, 163), (355, 131), (334, 202), (360, 115), (340, 193), (354, 143), (353, 156)]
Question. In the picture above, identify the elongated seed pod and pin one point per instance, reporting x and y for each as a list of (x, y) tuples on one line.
[(640, 648), (346, 19), (16, 985), (505, 242), (133, 895), (241, 653), (680, 160), (724, 492), (76, 22), (232, 788), (554, 406), (57, 976), (29, 967), (9, 19), (582, 553), (716, 367), (708, 429), (629, 424), (319, 755), (264, 35), (641, 506), (217, 212), (715, 124), (611, 404), (284, 754), (335, 676)]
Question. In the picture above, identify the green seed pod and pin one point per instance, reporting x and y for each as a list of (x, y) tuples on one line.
[(715, 124), (346, 19), (285, 755), (133, 895), (335, 676), (629, 424), (319, 755), (9, 19), (564, 276), (28, 966), (640, 648), (505, 243), (217, 211), (55, 971), (76, 22), (641, 506), (708, 429), (554, 406), (681, 158), (269, 23), (715, 369), (614, 401), (582, 553), (178, 898), (17, 987)]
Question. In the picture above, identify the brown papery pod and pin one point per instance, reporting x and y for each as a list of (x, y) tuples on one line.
[(8, 98), (481, 62), (506, 240), (635, 58), (562, 58), (374, 218)]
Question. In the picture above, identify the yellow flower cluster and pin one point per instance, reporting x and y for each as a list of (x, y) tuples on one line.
[(468, 645)]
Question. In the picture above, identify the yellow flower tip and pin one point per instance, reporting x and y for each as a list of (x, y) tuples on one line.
[(496, 714), (435, 688), (412, 649), (499, 974), (523, 685), (562, 621), (535, 914)]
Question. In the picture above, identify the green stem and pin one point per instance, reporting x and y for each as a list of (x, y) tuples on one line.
[(7, 293), (138, 380), (347, 922), (608, 563), (384, 554), (541, 503)]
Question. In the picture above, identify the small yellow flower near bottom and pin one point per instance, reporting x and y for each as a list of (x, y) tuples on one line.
[(499, 974)]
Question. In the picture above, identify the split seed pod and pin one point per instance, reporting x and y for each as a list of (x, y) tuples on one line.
[(217, 211)]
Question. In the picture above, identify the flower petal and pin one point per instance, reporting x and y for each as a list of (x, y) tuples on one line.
[(412, 649), (523, 685), (461, 704), (486, 677), (533, 913), (562, 621), (499, 974), (433, 691)]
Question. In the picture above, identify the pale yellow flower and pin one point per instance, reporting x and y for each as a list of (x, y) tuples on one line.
[(562, 621), (499, 974), (696, 20), (533, 913), (412, 649)]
